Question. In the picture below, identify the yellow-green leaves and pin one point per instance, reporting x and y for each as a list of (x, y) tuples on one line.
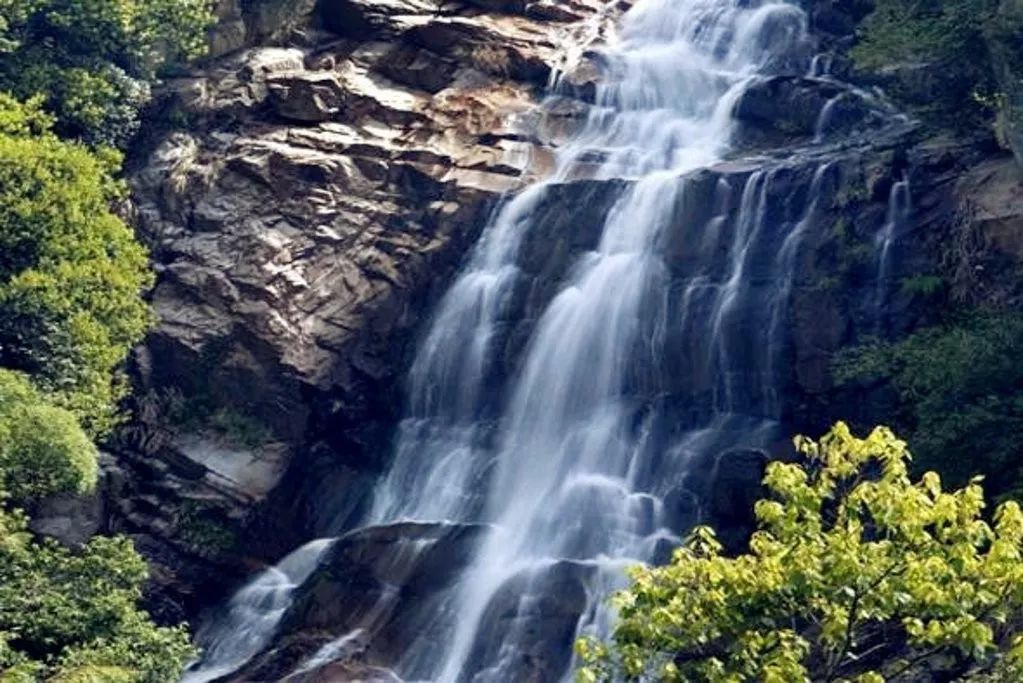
[(93, 61), (71, 272), (856, 573)]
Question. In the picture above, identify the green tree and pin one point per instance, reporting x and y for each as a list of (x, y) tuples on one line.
[(855, 573), (94, 60), (71, 272), (67, 615), (43, 450), (960, 386), (73, 615)]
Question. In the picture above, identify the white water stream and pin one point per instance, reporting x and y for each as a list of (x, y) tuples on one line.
[(560, 457)]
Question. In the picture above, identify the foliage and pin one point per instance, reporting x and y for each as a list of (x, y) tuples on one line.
[(923, 285), (953, 33), (909, 30), (94, 60), (72, 616), (71, 272), (43, 450), (854, 574), (201, 526), (199, 412), (67, 615), (961, 388), (71, 278)]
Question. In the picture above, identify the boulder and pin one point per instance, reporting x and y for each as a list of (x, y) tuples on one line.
[(306, 97), (736, 484), (785, 108), (376, 592), (543, 607)]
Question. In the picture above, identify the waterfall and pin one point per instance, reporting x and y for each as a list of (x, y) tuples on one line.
[(563, 448), (899, 207), (562, 468)]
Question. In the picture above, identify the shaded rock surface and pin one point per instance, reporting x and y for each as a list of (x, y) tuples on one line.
[(375, 593)]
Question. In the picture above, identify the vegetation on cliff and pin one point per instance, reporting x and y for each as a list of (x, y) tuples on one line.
[(67, 614), (93, 61), (945, 50), (73, 76), (960, 391), (71, 271), (856, 573)]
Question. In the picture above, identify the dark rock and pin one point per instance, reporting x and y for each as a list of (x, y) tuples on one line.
[(389, 581), (306, 97), (786, 108), (71, 520), (735, 486), (542, 607)]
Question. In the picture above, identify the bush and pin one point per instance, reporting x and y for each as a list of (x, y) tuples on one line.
[(73, 616), (855, 573), (43, 450), (950, 33), (71, 272), (94, 61), (960, 386)]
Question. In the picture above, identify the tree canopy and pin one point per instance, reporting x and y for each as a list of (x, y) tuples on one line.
[(72, 279), (93, 60), (960, 390), (856, 573), (71, 271)]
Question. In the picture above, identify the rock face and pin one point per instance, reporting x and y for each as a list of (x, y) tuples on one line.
[(324, 174), (379, 589)]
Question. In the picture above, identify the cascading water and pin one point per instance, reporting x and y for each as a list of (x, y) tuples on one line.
[(899, 208), (569, 470), (568, 458)]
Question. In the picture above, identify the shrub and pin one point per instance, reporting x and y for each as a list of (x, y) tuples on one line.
[(855, 573), (43, 450), (960, 386), (94, 61), (73, 616), (71, 272), (951, 33)]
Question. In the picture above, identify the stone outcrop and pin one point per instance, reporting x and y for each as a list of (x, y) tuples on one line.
[(320, 178), (375, 593)]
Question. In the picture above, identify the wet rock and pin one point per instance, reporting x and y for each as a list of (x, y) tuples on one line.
[(542, 607), (736, 484), (383, 586), (785, 108)]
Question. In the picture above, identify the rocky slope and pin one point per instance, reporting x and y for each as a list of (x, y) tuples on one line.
[(317, 182)]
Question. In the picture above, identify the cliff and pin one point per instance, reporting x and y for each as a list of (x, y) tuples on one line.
[(310, 190)]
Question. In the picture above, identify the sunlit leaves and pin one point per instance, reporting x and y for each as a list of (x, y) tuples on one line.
[(73, 616), (93, 61), (856, 573), (71, 272)]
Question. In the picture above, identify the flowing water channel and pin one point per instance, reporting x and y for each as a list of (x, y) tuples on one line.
[(567, 456)]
